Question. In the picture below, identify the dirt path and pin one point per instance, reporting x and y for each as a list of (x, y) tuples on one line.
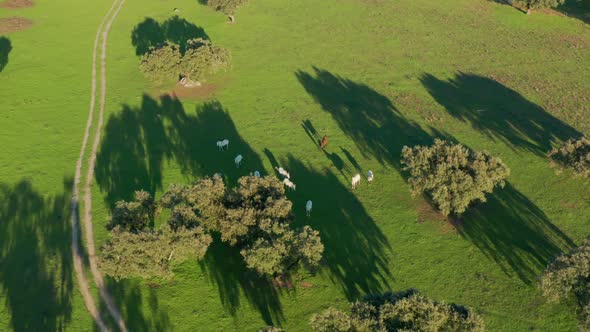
[(75, 217)]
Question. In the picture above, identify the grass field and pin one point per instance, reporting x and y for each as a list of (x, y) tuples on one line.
[(374, 75)]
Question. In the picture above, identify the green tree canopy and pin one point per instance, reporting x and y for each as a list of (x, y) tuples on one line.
[(167, 64), (254, 217), (569, 276), (452, 175), (574, 154), (404, 311)]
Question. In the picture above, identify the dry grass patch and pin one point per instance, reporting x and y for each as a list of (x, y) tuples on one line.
[(15, 4), (14, 24)]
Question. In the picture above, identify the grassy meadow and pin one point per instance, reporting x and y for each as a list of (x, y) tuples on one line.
[(374, 75)]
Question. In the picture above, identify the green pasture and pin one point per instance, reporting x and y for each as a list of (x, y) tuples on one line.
[(374, 75)]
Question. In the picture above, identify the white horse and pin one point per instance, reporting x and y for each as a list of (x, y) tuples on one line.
[(238, 160), (223, 144), (308, 207), (370, 176), (356, 180), (283, 172), (289, 184)]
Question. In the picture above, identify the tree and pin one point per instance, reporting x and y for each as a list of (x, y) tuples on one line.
[(404, 311), (162, 64), (569, 276), (167, 64), (150, 253), (134, 216), (254, 217), (202, 59), (228, 7), (452, 175), (574, 154), (535, 4)]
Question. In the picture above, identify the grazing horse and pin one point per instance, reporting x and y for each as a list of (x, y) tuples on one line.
[(324, 142), (308, 208)]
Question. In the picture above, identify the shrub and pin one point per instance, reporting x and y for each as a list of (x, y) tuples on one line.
[(574, 154), (569, 276), (405, 311), (452, 175)]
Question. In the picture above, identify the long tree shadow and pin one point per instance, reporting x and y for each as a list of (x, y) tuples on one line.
[(137, 143), (498, 112), (150, 33), (5, 48), (129, 297), (508, 228), (356, 250), (366, 116), (579, 9), (36, 259), (226, 268), (514, 232)]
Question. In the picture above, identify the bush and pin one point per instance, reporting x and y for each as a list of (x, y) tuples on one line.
[(452, 175), (405, 311), (569, 276), (166, 64), (574, 154)]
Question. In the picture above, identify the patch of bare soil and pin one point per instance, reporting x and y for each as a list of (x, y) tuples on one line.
[(283, 282), (15, 4), (306, 284), (13, 24), (428, 213), (204, 91)]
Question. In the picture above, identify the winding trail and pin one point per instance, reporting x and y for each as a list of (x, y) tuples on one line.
[(77, 253)]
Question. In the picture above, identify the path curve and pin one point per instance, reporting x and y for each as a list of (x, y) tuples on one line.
[(74, 208)]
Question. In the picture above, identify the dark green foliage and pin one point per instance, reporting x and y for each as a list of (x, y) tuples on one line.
[(569, 276), (405, 311), (150, 253), (134, 216), (226, 6), (452, 175), (255, 217), (167, 64), (574, 154), (5, 48), (533, 4)]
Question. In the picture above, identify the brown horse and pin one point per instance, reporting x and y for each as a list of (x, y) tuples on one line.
[(324, 142)]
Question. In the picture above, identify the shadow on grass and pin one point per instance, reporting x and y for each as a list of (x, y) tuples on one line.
[(137, 143), (514, 232), (508, 228), (150, 33), (498, 112), (367, 117), (5, 48), (579, 9), (139, 140), (226, 268), (36, 266), (130, 296), (356, 250)]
